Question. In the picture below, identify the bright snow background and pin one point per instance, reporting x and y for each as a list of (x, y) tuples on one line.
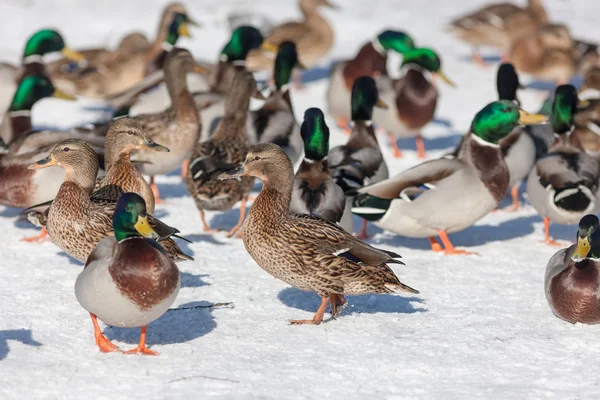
[(480, 327)]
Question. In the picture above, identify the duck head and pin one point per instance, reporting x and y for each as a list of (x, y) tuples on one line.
[(69, 154), (285, 62), (564, 108), (126, 135), (397, 41), (244, 39), (33, 88), (588, 239), (175, 22), (427, 59), (315, 134), (365, 96), (507, 82), (267, 162), (130, 219), (47, 41)]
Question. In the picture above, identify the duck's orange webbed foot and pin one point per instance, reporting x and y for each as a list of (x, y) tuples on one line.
[(449, 248), (105, 345), (141, 347), (155, 191), (317, 319), (38, 238), (363, 235), (435, 246), (394, 144)]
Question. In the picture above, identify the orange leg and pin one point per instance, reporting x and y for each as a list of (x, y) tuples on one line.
[(394, 144), (155, 191), (184, 168), (205, 225), (141, 347), (449, 247), (435, 246), (514, 193), (39, 238), (343, 125), (477, 58), (420, 146), (297, 79), (363, 231), (547, 238), (336, 303), (240, 221), (505, 57), (317, 319), (105, 345)]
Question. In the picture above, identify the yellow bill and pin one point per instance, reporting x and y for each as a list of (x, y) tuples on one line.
[(444, 78), (200, 70), (72, 55), (183, 30), (144, 228), (583, 103), (59, 94), (526, 118), (43, 163), (381, 104), (152, 145), (582, 249), (266, 46)]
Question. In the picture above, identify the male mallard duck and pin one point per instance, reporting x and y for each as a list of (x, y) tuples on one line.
[(128, 280), (413, 98), (314, 190), (359, 162), (225, 149), (547, 54), (274, 122), (304, 251), (563, 186), (76, 222), (447, 195), (571, 282), (499, 25), (518, 148), (313, 38), (371, 60)]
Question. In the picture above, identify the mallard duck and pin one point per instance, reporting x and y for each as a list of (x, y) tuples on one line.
[(225, 149), (126, 69), (359, 162), (41, 43), (413, 98), (371, 60), (128, 280), (571, 281), (313, 38), (563, 186), (274, 122), (314, 190), (76, 222), (498, 25), (518, 148), (304, 251), (448, 195), (548, 54)]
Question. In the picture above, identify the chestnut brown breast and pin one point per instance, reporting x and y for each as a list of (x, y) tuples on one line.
[(573, 294), (416, 99), (368, 62)]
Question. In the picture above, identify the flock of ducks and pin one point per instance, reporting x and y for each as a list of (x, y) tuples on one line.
[(96, 205)]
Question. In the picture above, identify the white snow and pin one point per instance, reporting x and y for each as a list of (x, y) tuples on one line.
[(480, 328)]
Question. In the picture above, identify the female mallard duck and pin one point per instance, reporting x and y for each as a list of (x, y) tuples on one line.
[(371, 60), (447, 195), (41, 43), (274, 122), (76, 221), (571, 283), (548, 54), (359, 162), (413, 98), (518, 148), (498, 25), (128, 280), (563, 186), (304, 251), (226, 148), (313, 38), (314, 190)]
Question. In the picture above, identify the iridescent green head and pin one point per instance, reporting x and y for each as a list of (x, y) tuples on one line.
[(287, 59), (43, 42), (178, 27), (588, 239), (131, 218), (428, 60), (243, 39), (507, 82), (564, 108), (31, 89), (396, 41), (315, 134), (365, 96)]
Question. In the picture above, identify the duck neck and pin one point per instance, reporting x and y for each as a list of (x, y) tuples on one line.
[(363, 133), (84, 176), (182, 101), (112, 156), (236, 112), (538, 11), (370, 61), (20, 123), (487, 159), (275, 196)]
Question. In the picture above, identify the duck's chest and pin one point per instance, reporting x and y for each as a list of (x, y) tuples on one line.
[(574, 294)]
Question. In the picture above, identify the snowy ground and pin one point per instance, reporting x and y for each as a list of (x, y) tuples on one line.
[(479, 328)]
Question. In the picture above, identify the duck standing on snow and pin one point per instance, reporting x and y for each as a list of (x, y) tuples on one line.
[(413, 98), (274, 122), (359, 162), (563, 186), (128, 280), (371, 60), (304, 251), (571, 283), (448, 195)]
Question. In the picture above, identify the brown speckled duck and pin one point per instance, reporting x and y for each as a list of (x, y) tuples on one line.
[(304, 251), (225, 149)]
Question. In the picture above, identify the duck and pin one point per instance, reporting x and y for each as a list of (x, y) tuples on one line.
[(43, 42), (414, 98), (314, 190), (226, 148), (305, 251), (498, 25), (122, 72), (518, 148), (570, 283), (313, 38), (447, 195), (128, 279), (371, 60), (587, 125), (359, 162), (275, 122), (547, 54), (563, 186), (77, 221)]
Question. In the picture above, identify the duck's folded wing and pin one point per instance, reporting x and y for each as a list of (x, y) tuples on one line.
[(164, 231), (350, 168), (209, 163), (564, 170)]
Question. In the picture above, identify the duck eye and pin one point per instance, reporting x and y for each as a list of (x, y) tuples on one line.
[(66, 149), (130, 132), (256, 158)]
